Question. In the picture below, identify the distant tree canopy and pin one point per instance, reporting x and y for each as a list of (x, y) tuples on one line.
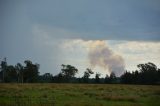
[(19, 73), (31, 71), (97, 79), (87, 74), (46, 78), (111, 79), (67, 73), (148, 73)]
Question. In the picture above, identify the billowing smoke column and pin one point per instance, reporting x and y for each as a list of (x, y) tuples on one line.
[(101, 55)]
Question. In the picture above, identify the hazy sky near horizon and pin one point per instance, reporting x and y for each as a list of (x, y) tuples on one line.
[(55, 32)]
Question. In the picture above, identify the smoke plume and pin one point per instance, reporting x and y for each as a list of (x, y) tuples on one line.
[(101, 55)]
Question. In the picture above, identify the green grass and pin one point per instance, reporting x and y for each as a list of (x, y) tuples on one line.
[(79, 95)]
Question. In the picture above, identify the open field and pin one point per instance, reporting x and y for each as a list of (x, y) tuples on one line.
[(79, 95)]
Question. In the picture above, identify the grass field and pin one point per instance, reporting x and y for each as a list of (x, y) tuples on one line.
[(79, 95)]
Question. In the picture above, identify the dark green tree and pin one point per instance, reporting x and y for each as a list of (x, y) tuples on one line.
[(20, 72), (10, 74), (68, 72), (106, 80), (112, 78), (97, 79), (87, 74), (127, 78), (3, 69), (59, 78), (149, 73), (30, 71), (47, 77)]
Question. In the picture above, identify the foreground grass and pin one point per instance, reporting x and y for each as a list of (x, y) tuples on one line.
[(79, 95)]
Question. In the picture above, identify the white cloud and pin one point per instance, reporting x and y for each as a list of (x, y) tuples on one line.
[(138, 52), (133, 52)]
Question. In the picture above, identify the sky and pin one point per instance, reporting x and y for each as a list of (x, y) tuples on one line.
[(55, 32)]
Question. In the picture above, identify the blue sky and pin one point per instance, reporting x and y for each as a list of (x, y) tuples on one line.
[(37, 30)]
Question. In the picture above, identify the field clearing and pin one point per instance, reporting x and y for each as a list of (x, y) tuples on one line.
[(79, 95)]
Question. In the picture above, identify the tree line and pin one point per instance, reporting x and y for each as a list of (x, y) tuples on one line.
[(148, 73), (19, 73)]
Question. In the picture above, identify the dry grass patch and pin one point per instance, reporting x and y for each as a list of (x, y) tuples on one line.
[(118, 98)]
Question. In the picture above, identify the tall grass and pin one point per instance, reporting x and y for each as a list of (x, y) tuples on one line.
[(79, 95)]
